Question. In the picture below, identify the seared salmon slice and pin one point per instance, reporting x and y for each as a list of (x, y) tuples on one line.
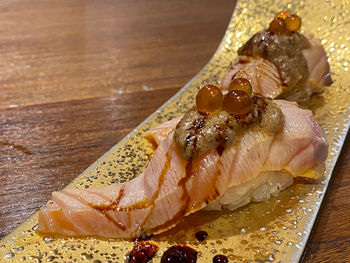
[(171, 188), (262, 74)]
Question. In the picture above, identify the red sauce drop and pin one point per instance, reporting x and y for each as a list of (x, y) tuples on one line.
[(220, 259), (179, 254), (142, 252), (201, 235)]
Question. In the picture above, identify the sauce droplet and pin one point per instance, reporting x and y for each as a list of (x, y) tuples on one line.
[(179, 254), (220, 259), (201, 235), (142, 252)]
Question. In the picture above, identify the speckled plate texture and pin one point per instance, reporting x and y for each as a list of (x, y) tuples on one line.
[(276, 230)]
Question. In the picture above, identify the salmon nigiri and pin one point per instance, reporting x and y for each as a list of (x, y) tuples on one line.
[(175, 185), (282, 63)]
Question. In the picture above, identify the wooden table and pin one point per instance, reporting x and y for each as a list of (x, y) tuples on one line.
[(77, 76)]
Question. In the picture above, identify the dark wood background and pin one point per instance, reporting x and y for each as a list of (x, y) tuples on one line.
[(77, 76)]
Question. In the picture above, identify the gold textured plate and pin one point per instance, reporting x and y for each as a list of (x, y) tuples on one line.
[(276, 230)]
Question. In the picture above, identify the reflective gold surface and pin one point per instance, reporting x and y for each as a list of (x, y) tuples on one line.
[(276, 230)]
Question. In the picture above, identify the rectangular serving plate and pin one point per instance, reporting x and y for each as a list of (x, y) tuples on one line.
[(276, 230)]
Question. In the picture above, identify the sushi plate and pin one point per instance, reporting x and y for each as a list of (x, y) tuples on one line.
[(276, 230)]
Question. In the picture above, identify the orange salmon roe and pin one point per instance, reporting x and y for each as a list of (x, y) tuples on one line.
[(209, 99), (277, 26), (241, 84), (237, 102), (293, 23), (282, 14)]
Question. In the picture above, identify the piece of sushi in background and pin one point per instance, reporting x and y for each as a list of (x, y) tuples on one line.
[(266, 77)]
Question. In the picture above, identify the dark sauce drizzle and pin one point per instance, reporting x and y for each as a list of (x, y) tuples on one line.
[(114, 205), (185, 198), (103, 209)]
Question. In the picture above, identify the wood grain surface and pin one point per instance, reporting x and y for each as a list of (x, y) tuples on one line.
[(77, 76)]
